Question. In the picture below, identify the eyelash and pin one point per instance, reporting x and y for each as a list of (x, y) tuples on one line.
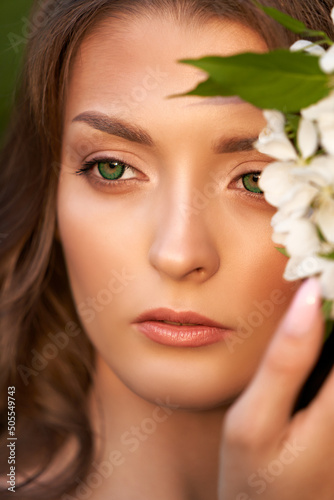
[(88, 166)]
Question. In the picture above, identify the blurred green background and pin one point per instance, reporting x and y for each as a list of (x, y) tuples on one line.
[(13, 31)]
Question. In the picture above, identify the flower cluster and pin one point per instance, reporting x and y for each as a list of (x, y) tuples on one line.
[(295, 87), (300, 183)]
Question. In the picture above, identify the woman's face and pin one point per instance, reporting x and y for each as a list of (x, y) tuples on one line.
[(178, 229)]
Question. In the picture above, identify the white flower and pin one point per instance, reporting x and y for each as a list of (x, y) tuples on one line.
[(326, 58), (275, 120), (300, 267), (304, 267), (305, 199), (293, 196), (302, 239), (307, 138), (299, 236), (281, 224), (298, 201), (308, 46), (327, 279), (277, 146), (301, 183), (322, 113), (283, 188), (326, 61), (315, 111), (326, 129), (277, 182), (319, 175), (273, 140)]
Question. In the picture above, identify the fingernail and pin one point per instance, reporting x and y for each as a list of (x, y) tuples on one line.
[(303, 309)]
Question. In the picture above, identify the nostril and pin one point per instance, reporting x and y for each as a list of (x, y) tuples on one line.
[(196, 271), (195, 256)]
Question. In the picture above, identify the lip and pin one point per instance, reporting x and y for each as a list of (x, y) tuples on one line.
[(203, 330)]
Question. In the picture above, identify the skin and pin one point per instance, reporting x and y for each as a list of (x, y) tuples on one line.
[(216, 259)]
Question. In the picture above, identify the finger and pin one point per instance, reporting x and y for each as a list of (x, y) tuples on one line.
[(269, 399)]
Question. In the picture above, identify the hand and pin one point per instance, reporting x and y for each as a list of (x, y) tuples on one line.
[(265, 453)]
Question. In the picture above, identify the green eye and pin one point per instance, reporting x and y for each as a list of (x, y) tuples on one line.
[(251, 182), (111, 169)]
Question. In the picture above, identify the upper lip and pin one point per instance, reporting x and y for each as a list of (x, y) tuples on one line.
[(164, 314)]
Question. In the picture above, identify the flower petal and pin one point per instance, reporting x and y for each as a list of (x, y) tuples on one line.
[(303, 238), (283, 226), (326, 62), (300, 200), (326, 129), (320, 172), (327, 279), (280, 217), (302, 267), (279, 238), (276, 181), (327, 141), (324, 217), (325, 105), (275, 120), (278, 147), (307, 137), (308, 46)]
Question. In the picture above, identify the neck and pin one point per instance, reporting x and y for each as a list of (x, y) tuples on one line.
[(151, 449)]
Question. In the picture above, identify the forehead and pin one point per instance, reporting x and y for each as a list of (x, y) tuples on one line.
[(126, 64)]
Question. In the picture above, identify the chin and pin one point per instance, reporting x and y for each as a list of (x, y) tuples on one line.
[(187, 393)]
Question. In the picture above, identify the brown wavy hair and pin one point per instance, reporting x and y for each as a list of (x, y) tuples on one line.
[(44, 352)]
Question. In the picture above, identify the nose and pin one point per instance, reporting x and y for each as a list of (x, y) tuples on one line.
[(183, 248)]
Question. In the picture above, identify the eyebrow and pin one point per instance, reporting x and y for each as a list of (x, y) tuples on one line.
[(120, 128), (115, 126), (234, 145)]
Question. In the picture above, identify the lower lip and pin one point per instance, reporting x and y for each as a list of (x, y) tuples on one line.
[(182, 336)]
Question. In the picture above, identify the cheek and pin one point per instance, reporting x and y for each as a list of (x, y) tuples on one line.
[(97, 238), (260, 295), (252, 271)]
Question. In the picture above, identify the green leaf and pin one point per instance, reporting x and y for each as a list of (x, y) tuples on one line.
[(320, 235), (292, 123), (284, 19), (291, 23), (326, 311), (329, 256), (326, 308), (280, 79), (283, 251), (207, 88), (291, 127), (329, 324)]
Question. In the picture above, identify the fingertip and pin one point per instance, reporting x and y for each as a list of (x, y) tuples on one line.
[(304, 310)]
